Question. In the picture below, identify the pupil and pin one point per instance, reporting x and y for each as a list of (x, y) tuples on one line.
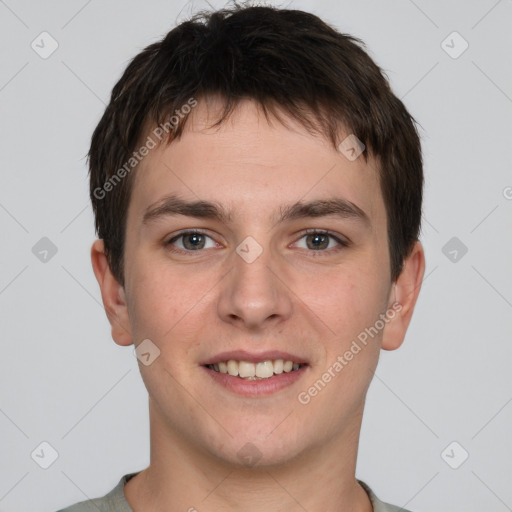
[(195, 239), (319, 241)]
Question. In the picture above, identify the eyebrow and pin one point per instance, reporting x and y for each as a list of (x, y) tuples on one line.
[(173, 205)]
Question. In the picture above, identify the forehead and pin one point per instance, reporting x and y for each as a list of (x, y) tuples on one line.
[(248, 161)]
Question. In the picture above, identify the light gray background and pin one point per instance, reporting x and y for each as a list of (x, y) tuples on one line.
[(64, 381)]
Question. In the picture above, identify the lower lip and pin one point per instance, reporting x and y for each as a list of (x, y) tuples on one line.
[(254, 388)]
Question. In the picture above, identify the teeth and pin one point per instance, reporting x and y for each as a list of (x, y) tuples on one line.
[(233, 368), (246, 369), (251, 371), (278, 366), (265, 369), (288, 366)]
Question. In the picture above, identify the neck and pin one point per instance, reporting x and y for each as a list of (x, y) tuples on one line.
[(183, 478)]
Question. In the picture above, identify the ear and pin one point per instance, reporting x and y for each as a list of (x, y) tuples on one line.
[(113, 296), (403, 296)]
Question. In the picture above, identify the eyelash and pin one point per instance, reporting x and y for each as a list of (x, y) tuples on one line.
[(342, 243)]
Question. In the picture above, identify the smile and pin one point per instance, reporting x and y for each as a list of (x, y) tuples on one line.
[(255, 371)]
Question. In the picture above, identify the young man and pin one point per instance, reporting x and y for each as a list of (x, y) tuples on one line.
[(257, 190)]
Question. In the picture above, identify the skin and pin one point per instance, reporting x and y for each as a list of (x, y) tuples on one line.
[(309, 302)]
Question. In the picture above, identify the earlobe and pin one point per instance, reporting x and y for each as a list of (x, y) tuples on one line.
[(113, 296), (403, 298)]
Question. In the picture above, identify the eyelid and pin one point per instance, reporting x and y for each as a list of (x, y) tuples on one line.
[(168, 242), (342, 241), (187, 232), (338, 236)]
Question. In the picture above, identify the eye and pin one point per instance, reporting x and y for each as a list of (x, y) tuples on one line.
[(321, 240), (192, 240)]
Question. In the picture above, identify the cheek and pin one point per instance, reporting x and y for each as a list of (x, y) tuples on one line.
[(168, 307), (349, 306), (157, 302), (346, 300)]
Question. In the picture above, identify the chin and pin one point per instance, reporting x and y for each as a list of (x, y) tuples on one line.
[(258, 451)]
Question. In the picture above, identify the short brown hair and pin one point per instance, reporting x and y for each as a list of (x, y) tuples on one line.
[(286, 60)]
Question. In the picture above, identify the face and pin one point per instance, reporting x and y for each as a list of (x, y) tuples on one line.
[(288, 261)]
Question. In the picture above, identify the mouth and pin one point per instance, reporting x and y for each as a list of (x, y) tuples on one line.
[(255, 374), (260, 370)]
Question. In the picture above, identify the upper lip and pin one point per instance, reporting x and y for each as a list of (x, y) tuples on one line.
[(253, 357)]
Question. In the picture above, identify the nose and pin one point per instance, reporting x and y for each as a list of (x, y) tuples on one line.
[(254, 294)]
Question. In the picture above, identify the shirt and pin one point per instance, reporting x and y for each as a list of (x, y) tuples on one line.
[(115, 501)]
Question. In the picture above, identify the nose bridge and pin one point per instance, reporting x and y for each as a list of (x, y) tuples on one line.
[(252, 294)]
